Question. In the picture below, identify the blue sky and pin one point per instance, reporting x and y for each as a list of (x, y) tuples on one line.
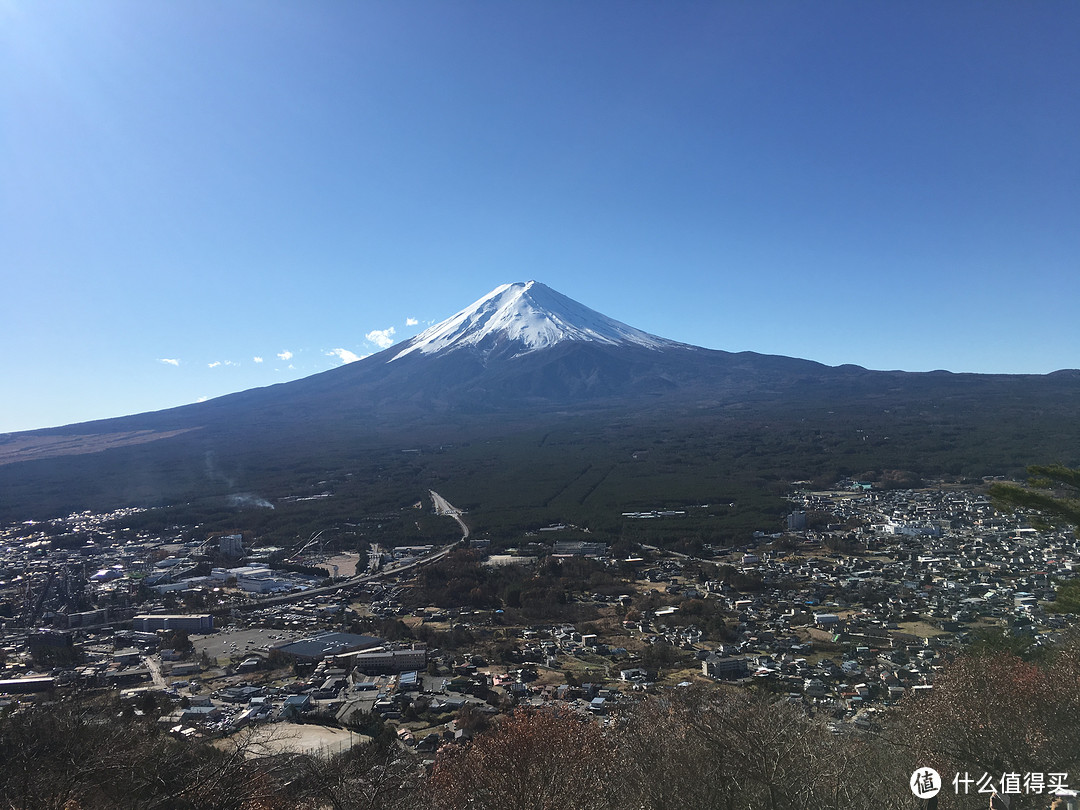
[(890, 184)]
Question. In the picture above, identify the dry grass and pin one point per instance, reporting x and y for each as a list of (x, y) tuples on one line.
[(25, 448), (282, 738)]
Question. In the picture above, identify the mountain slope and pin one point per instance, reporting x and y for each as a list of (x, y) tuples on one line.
[(526, 361)]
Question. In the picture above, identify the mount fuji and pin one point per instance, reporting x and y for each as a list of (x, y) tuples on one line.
[(516, 319), (527, 346), (526, 360)]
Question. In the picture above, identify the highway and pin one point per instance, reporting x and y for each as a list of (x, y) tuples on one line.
[(352, 582), (443, 507)]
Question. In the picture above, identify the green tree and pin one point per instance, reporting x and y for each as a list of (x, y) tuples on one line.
[(1053, 492), (1067, 598), (990, 641)]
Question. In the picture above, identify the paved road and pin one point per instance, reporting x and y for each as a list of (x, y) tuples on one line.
[(674, 553), (352, 582), (443, 507), (154, 665)]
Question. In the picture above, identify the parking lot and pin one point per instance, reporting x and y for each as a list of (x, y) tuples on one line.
[(230, 644)]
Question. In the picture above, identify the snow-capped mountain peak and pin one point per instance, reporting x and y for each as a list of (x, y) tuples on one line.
[(524, 317)]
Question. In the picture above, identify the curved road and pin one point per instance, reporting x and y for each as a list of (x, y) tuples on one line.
[(390, 570), (443, 507)]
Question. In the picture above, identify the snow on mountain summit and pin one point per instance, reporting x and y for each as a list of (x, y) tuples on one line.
[(530, 315)]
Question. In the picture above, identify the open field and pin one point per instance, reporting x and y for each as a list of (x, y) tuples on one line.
[(281, 738)]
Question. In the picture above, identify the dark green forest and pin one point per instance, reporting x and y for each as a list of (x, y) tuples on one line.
[(729, 467)]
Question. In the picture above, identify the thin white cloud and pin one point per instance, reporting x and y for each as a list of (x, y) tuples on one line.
[(215, 364), (412, 322), (257, 359), (344, 355), (285, 355), (169, 361), (381, 337)]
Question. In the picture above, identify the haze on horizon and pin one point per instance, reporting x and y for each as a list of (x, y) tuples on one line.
[(202, 198)]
